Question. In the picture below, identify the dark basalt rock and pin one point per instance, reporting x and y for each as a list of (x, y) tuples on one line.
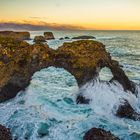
[(39, 39), (48, 35), (67, 37), (16, 35), (82, 100), (119, 75), (84, 37), (125, 110), (61, 38), (5, 133), (99, 134), (64, 38)]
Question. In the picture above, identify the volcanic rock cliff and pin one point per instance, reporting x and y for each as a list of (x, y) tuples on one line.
[(83, 59)]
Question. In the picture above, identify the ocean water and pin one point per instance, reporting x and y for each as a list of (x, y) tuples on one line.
[(47, 110)]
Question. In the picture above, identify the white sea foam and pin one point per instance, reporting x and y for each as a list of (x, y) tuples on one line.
[(50, 98)]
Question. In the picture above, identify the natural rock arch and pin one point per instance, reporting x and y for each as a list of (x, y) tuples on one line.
[(83, 59), (55, 74)]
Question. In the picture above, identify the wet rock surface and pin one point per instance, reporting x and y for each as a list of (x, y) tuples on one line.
[(125, 110), (16, 35), (99, 134), (5, 133), (82, 100)]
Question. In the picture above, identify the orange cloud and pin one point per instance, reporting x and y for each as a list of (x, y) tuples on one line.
[(36, 25)]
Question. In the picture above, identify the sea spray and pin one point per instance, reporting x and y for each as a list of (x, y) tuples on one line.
[(50, 98), (49, 103)]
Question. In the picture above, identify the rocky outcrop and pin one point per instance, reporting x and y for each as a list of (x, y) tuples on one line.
[(64, 38), (16, 35), (5, 133), (75, 57), (83, 59), (126, 110), (39, 39), (84, 37), (119, 75), (18, 62), (67, 37), (82, 100), (99, 134), (61, 38), (48, 35)]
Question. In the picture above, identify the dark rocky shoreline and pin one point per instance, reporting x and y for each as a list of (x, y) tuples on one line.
[(20, 60)]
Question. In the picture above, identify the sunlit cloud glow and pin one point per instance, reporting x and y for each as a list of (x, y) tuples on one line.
[(80, 14)]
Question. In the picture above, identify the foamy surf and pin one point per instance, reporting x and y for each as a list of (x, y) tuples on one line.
[(47, 109)]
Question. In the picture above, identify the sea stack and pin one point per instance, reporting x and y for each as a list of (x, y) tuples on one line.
[(39, 39), (48, 35)]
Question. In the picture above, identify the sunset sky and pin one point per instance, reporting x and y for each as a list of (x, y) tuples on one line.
[(87, 14)]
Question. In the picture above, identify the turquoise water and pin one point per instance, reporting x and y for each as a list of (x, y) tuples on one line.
[(47, 109)]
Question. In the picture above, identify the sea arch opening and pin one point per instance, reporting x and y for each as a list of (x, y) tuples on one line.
[(53, 84)]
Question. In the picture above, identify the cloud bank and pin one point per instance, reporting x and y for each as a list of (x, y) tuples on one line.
[(36, 25)]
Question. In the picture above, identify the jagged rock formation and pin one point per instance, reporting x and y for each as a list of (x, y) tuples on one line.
[(83, 59), (16, 35), (126, 110), (5, 133), (84, 37), (18, 62), (39, 39), (48, 35), (99, 134)]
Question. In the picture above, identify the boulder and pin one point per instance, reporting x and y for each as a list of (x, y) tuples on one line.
[(61, 38), (5, 133), (125, 110), (82, 100), (39, 39), (99, 134), (64, 38), (84, 37), (67, 37), (48, 35), (16, 35)]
